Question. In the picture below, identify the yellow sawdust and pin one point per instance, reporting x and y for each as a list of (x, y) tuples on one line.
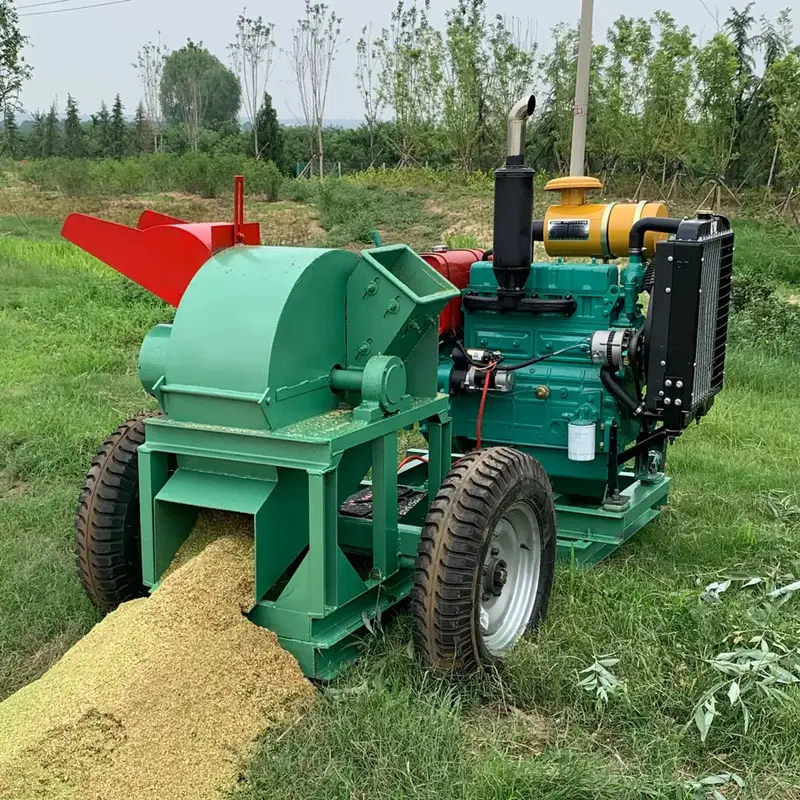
[(165, 697)]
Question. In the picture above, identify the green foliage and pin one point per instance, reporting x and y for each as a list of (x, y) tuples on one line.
[(268, 135), (487, 71), (10, 140), (48, 134), (410, 55), (117, 132), (74, 145), (198, 91), (719, 87), (783, 80), (263, 178), (14, 71), (351, 212)]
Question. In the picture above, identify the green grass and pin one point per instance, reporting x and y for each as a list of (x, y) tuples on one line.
[(69, 336)]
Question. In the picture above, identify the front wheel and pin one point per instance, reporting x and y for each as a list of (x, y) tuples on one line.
[(484, 570), (107, 524)]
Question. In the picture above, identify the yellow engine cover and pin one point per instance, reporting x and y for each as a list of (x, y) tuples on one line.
[(577, 229)]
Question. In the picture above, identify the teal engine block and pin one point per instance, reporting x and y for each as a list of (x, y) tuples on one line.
[(535, 408)]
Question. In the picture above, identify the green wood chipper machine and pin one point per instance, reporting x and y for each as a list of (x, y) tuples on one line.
[(546, 392)]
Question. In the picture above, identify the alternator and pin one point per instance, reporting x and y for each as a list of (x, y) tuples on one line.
[(610, 347)]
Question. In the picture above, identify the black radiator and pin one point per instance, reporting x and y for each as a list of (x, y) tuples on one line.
[(689, 309)]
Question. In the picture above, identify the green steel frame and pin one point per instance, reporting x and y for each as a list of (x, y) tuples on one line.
[(323, 579)]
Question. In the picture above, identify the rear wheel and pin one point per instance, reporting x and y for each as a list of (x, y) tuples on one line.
[(107, 525), (484, 571)]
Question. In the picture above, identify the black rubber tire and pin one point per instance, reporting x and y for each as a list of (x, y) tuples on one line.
[(107, 523), (448, 578)]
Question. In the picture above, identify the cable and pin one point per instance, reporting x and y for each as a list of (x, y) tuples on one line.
[(530, 362), (484, 393), (410, 460), (75, 8)]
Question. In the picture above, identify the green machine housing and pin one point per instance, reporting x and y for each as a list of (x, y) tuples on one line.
[(284, 380)]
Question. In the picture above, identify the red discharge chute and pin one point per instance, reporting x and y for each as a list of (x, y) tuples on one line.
[(162, 254)]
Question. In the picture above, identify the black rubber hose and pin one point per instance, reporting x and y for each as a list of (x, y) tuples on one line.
[(618, 392), (487, 254), (643, 226)]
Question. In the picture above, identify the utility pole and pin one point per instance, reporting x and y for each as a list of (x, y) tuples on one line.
[(581, 107)]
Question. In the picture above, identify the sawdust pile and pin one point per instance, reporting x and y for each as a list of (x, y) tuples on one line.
[(165, 697)]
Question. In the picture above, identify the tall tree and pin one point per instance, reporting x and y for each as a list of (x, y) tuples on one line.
[(252, 53), (51, 134), (783, 80), (367, 67), (739, 26), (117, 130), (488, 67), (559, 69), (150, 68), (74, 144), (142, 132), (198, 91), (411, 52), (315, 42), (669, 75), (269, 132), (14, 71), (101, 132), (717, 94), (11, 143)]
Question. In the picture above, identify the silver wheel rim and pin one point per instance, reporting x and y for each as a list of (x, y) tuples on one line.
[(510, 578)]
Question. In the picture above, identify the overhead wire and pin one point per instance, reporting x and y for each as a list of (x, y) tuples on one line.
[(73, 8), (47, 3)]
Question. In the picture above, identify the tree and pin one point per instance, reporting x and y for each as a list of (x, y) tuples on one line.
[(268, 132), (410, 53), (101, 132), (738, 27), (559, 69), (74, 145), (142, 132), (13, 69), (252, 52), (150, 68), (718, 91), (783, 80), (315, 43), (669, 73), (117, 130), (367, 65), (198, 91), (11, 143), (50, 141), (488, 67)]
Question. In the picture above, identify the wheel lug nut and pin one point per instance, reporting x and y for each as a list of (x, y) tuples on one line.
[(495, 551)]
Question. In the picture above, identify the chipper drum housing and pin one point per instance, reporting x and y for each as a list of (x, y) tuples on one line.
[(546, 394)]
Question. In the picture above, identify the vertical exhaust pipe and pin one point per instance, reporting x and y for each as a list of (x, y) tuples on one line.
[(513, 210)]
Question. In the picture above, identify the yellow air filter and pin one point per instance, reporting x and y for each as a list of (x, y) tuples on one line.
[(577, 229)]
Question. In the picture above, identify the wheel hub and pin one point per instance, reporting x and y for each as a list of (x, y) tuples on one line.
[(495, 577), (510, 578)]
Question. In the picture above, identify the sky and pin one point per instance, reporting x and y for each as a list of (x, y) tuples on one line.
[(90, 53)]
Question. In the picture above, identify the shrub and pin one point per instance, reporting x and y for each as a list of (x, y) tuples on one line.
[(761, 316), (299, 190), (263, 178)]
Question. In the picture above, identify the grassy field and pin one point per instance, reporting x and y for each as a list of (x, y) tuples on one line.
[(69, 336)]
